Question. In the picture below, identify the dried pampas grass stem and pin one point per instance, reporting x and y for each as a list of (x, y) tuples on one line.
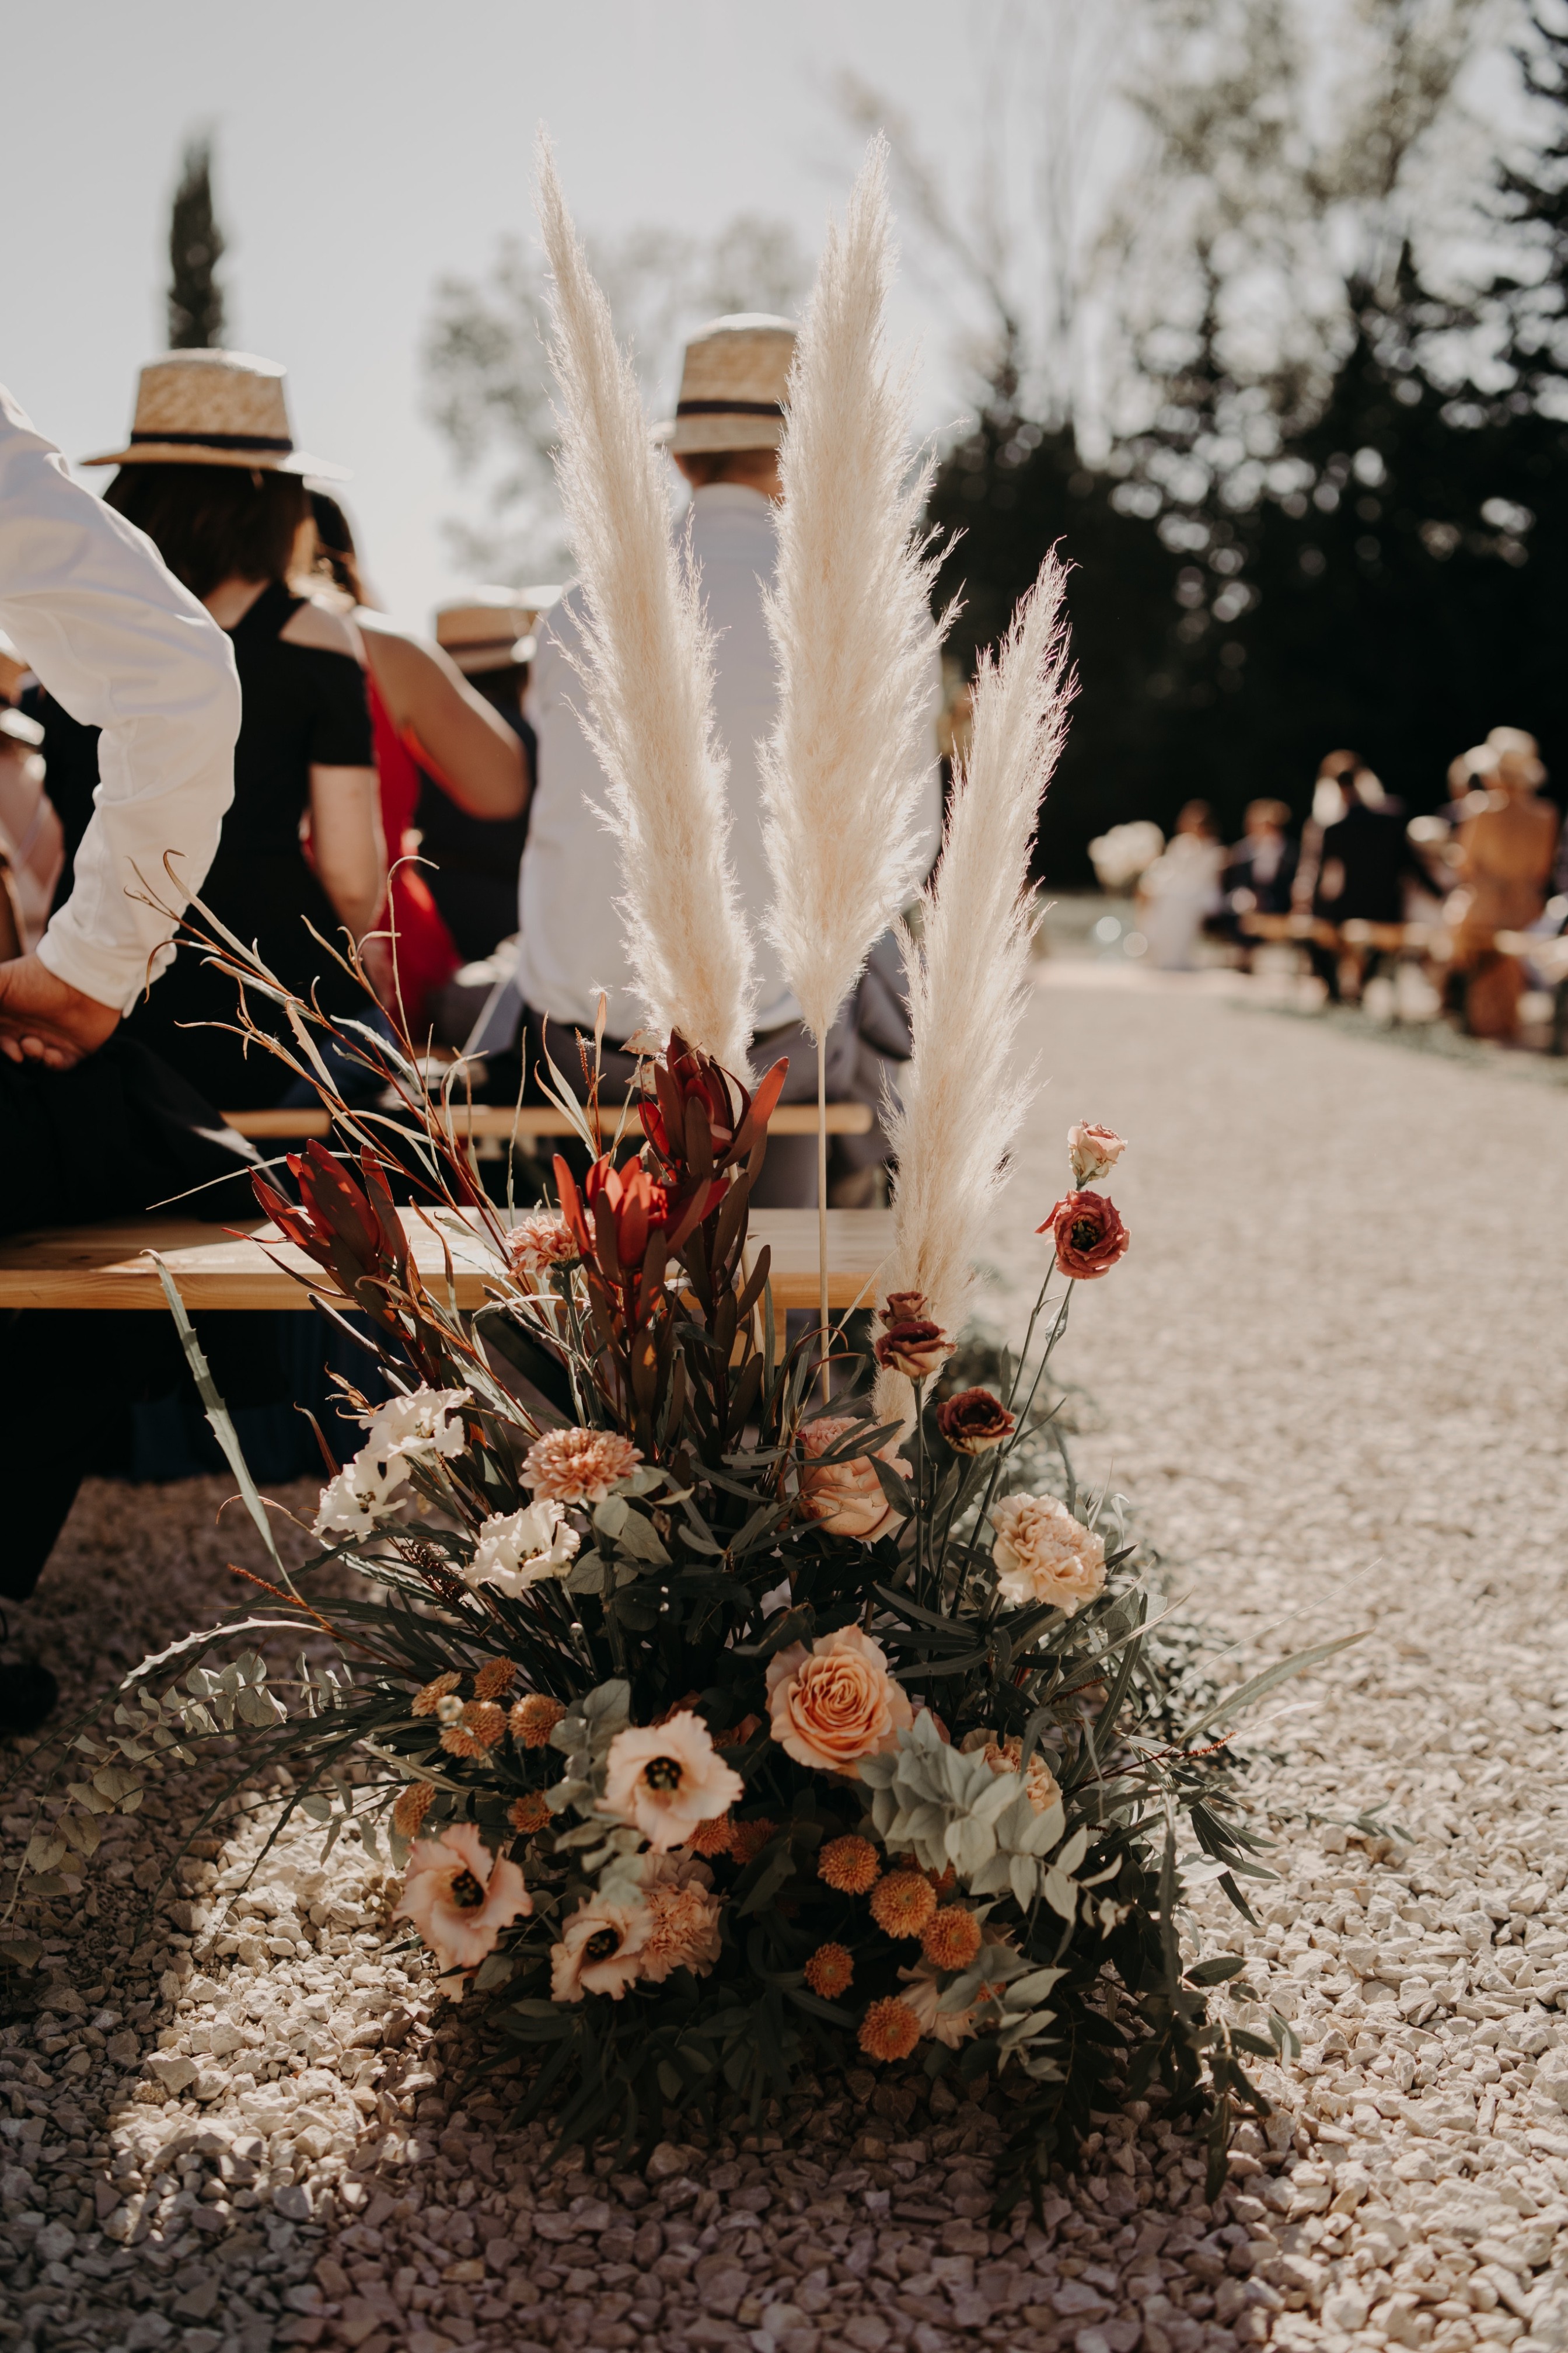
[(850, 620), (963, 1098), (647, 669)]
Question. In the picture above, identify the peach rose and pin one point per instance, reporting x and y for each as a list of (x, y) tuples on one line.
[(1043, 1554), (598, 1952), (458, 1897), (845, 1496), (836, 1702), (1093, 1151), (669, 1778)]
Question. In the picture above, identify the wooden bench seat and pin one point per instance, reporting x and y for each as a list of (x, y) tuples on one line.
[(486, 1123), (247, 1268)]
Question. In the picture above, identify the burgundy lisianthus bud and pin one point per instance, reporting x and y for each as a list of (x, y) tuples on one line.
[(916, 1347), (905, 1307), (1089, 1234), (1093, 1151), (974, 1422)]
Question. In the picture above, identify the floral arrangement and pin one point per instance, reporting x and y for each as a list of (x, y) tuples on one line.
[(729, 1714)]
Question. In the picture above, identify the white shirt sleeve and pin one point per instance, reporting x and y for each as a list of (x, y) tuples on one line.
[(120, 646)]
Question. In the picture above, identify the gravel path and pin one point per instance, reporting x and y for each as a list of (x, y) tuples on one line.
[(1331, 1373)]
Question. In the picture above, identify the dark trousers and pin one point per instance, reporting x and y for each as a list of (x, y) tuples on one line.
[(119, 1134)]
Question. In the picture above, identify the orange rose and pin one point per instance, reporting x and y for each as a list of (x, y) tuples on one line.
[(836, 1702)]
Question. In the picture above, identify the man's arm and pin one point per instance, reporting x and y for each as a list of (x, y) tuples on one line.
[(122, 647)]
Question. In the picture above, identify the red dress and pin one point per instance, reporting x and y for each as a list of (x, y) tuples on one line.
[(425, 951)]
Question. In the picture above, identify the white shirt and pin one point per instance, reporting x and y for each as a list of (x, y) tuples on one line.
[(120, 646), (570, 946)]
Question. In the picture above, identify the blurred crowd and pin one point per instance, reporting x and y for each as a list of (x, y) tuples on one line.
[(1474, 895)]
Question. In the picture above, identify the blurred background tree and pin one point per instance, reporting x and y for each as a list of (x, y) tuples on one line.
[(1261, 310), (195, 249)]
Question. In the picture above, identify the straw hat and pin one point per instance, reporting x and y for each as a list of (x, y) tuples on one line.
[(491, 629), (732, 385), (215, 408)]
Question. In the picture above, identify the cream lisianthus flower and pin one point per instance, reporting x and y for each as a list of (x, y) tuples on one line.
[(423, 1427), (836, 1703), (667, 1777), (1043, 1554), (599, 1950), (459, 1897), (517, 1549)]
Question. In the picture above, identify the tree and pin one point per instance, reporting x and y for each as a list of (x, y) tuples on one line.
[(488, 383), (1533, 207), (195, 249)]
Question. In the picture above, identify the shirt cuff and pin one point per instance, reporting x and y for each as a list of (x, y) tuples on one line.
[(109, 976)]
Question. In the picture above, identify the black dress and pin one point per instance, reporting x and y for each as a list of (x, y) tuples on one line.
[(473, 879), (303, 708)]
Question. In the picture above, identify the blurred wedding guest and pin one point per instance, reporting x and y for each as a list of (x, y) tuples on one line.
[(724, 440), (490, 635), (437, 743), (1506, 854), (1261, 868), (31, 845), (1180, 890), (94, 1126), (212, 475), (1359, 865)]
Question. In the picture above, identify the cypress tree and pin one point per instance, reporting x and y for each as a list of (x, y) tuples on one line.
[(195, 249)]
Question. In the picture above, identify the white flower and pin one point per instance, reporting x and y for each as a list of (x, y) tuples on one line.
[(418, 1428), (517, 1549)]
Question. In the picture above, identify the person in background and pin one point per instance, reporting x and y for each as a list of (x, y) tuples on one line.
[(1506, 852), (1356, 861), (436, 742), (724, 440), (94, 1126), (31, 843), (1182, 889), (489, 634), (1260, 870), (212, 475)]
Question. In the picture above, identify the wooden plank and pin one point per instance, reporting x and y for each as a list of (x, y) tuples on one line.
[(483, 1120), (247, 1268)]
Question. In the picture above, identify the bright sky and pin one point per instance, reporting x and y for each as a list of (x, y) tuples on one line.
[(366, 146)]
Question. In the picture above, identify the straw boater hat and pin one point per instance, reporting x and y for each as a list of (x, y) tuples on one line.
[(215, 408), (491, 629), (732, 385)]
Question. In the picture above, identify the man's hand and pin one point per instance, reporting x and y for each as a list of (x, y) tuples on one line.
[(43, 1020)]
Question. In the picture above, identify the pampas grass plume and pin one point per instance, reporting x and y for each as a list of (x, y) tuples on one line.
[(850, 620), (647, 668), (963, 1098)]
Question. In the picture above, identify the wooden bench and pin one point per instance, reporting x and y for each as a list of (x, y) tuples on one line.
[(249, 1267), (495, 1122)]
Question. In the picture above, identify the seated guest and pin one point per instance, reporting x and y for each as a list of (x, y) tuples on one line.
[(94, 1126), (1507, 849), (724, 440), (212, 475), (439, 746), (1259, 870), (489, 634)]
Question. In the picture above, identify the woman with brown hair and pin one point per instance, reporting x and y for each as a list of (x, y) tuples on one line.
[(212, 475)]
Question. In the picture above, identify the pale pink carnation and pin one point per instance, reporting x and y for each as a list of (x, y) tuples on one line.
[(847, 1496), (538, 1242), (599, 1949), (459, 1897), (1043, 1554), (683, 1914), (667, 1777), (578, 1466), (1093, 1151), (836, 1702)]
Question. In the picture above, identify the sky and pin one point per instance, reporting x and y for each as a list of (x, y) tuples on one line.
[(366, 147)]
